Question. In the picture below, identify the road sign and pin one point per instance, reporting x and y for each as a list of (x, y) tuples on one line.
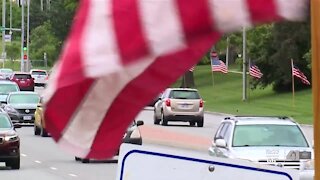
[(151, 162), (7, 38)]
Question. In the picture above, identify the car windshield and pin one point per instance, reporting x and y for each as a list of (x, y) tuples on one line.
[(7, 88), (183, 94), (6, 71), (22, 76), (268, 135), (4, 122), (39, 73), (24, 99)]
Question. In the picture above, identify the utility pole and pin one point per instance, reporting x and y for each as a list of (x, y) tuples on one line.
[(22, 34), (41, 5), (244, 67), (3, 55)]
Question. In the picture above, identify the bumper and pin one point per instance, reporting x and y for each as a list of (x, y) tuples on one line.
[(183, 116), (306, 175), (22, 118), (9, 150)]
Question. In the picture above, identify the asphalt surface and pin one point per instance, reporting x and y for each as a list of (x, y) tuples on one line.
[(42, 159)]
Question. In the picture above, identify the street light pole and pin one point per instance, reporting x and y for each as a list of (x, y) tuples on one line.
[(28, 35), (244, 67), (3, 30), (22, 34)]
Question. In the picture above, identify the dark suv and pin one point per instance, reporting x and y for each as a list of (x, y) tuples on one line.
[(9, 142), (24, 81)]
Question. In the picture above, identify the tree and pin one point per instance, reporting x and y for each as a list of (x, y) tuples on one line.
[(43, 41)]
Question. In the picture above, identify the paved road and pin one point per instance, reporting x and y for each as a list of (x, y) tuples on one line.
[(42, 159)]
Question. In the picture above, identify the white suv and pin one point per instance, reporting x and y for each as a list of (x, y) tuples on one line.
[(40, 77), (277, 141)]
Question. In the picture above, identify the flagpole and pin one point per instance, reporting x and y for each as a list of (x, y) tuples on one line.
[(315, 40), (249, 80), (292, 82)]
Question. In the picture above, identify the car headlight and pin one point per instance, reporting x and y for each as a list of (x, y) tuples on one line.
[(10, 109), (13, 137), (309, 164)]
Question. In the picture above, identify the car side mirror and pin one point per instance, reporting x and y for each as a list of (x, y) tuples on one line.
[(39, 105), (17, 126), (221, 143), (140, 123)]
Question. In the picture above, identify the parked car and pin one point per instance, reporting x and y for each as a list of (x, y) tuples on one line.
[(24, 81), (39, 122), (276, 141), (179, 104), (40, 77), (21, 106), (9, 142), (5, 73), (7, 87), (132, 136)]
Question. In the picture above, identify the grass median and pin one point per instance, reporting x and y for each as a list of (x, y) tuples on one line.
[(223, 93)]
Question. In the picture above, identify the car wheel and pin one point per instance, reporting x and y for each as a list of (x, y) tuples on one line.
[(43, 132), (85, 160), (155, 120), (14, 163), (192, 123), (36, 130), (164, 121), (200, 123), (77, 158)]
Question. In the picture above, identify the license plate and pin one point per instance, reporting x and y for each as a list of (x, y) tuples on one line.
[(27, 117), (22, 81), (184, 106)]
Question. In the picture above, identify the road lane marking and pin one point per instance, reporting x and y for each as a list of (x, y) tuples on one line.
[(39, 162), (53, 168), (72, 175), (23, 155)]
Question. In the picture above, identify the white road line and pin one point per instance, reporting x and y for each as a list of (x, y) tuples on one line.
[(53, 168), (72, 175), (23, 155), (39, 162)]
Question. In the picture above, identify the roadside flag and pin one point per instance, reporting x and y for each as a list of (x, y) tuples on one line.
[(122, 53), (218, 66), (192, 69), (254, 71), (299, 74)]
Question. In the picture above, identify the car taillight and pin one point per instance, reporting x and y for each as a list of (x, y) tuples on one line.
[(168, 102), (201, 103)]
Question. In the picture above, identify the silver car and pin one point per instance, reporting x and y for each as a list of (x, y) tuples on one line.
[(40, 77), (179, 104), (276, 141)]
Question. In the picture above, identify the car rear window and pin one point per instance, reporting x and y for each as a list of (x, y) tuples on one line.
[(39, 73), (22, 76), (183, 94), (4, 122)]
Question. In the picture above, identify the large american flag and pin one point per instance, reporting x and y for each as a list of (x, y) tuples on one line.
[(254, 71), (299, 74), (122, 53), (218, 66)]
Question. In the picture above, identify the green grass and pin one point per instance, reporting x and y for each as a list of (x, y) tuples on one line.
[(15, 65), (225, 96)]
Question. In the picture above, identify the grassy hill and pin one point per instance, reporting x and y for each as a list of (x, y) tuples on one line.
[(224, 95)]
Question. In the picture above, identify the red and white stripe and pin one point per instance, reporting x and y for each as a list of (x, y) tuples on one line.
[(122, 53), (254, 71)]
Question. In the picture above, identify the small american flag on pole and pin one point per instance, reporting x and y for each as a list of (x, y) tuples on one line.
[(299, 74), (218, 66), (192, 69), (121, 53), (254, 71)]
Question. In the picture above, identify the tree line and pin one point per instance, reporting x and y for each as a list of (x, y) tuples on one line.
[(271, 47)]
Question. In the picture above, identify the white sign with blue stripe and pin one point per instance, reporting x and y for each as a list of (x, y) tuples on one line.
[(154, 163)]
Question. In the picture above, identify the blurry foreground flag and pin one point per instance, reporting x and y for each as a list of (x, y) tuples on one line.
[(122, 53)]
